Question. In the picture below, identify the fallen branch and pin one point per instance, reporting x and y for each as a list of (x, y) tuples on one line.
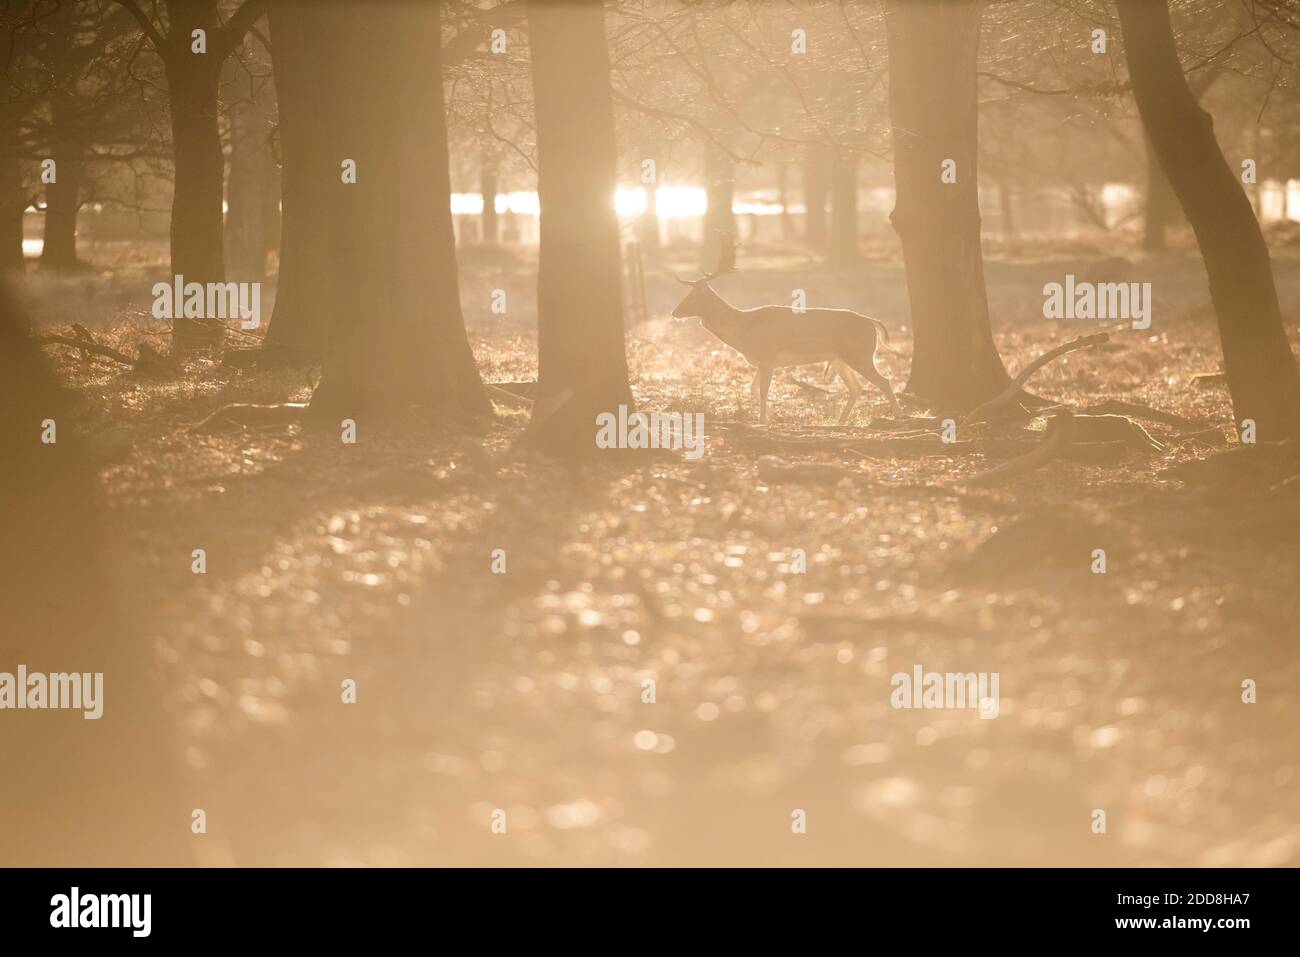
[(1138, 411), (1202, 379), (149, 360), (1114, 428), (251, 414), (1009, 394), (1089, 453), (84, 346), (1212, 436), (1060, 433), (82, 333), (909, 446), (506, 396)]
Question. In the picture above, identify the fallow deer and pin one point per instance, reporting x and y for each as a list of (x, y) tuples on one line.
[(771, 337)]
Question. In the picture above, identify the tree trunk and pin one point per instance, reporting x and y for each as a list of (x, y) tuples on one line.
[(62, 204), (720, 183), (844, 251), (1007, 209), (816, 190), (1159, 205), (198, 165), (581, 360), (13, 199), (1257, 358), (934, 116), (253, 189), (488, 187), (309, 176), (783, 198), (12, 259), (197, 221), (396, 334), (196, 228)]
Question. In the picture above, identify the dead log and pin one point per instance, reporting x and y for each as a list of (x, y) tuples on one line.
[(1135, 410), (1088, 453), (910, 446), (81, 332), (1213, 437), (148, 362), (245, 414), (1114, 428), (506, 396), (1059, 435), (152, 362), (84, 347)]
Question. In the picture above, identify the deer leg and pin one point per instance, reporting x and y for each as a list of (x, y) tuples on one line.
[(851, 383), (764, 382), (872, 375), (841, 369)]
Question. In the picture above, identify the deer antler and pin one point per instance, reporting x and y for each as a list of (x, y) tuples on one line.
[(727, 247)]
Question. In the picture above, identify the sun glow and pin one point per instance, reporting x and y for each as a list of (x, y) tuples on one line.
[(671, 202)]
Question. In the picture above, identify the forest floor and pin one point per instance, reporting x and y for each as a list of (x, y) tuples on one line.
[(524, 691)]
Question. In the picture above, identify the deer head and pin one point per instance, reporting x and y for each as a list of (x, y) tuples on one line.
[(699, 297)]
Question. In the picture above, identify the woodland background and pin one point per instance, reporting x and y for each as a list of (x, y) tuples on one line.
[(524, 691)]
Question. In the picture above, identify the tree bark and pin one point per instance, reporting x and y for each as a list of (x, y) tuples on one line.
[(934, 115), (197, 222), (1257, 358), (308, 177), (720, 184), (63, 196), (581, 360), (783, 198), (1159, 205), (816, 190), (62, 204), (192, 83), (253, 192), (13, 199), (396, 334), (196, 227), (844, 251), (1007, 209), (12, 259)]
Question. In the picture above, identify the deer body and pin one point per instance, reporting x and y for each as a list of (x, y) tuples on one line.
[(772, 337)]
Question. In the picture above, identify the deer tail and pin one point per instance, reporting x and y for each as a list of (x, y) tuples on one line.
[(882, 330)]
